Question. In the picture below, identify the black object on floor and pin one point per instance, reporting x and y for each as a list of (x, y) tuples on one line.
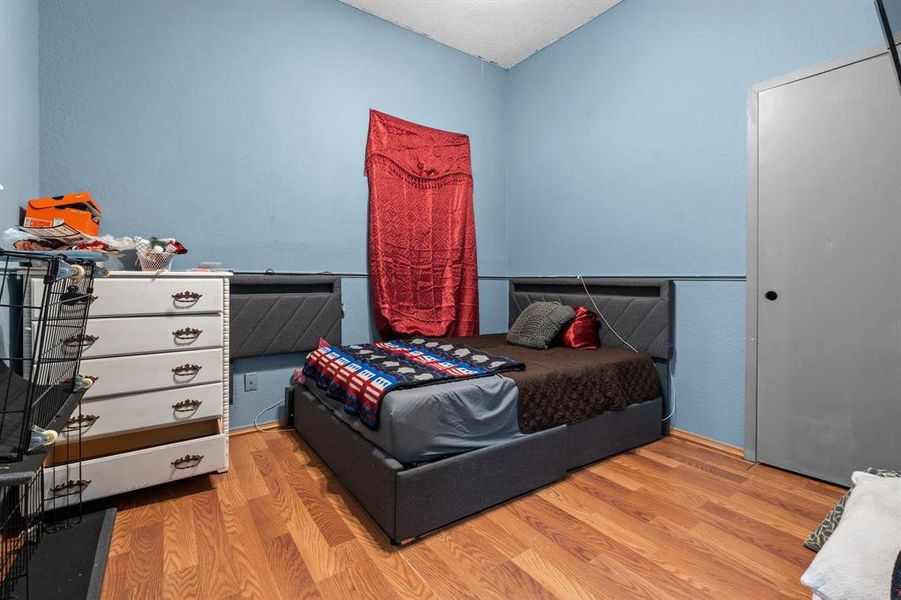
[(69, 564), (896, 580)]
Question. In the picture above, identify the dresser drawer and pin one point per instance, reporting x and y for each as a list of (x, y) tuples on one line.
[(69, 449), (143, 335), (118, 414), (115, 296), (119, 473), (151, 372)]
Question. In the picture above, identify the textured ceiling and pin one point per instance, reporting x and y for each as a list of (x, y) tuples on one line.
[(504, 32)]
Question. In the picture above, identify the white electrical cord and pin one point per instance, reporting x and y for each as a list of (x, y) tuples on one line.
[(672, 391), (256, 419), (601, 315), (669, 363)]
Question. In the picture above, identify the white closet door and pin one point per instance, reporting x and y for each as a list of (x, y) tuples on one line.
[(829, 272)]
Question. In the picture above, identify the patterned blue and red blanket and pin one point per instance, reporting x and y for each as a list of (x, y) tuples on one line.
[(360, 375)]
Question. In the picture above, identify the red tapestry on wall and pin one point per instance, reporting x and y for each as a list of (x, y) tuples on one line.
[(422, 244)]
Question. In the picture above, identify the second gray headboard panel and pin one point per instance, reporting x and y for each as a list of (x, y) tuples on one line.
[(281, 314), (641, 310)]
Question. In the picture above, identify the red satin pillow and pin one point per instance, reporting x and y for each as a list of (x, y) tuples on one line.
[(582, 332)]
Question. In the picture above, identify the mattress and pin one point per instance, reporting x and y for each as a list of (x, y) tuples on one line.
[(560, 386)]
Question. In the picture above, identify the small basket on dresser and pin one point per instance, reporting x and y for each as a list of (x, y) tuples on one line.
[(155, 261)]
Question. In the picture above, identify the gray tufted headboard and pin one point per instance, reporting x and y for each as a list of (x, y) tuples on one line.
[(280, 314), (641, 310)]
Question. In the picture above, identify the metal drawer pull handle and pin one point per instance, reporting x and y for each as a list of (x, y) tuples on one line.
[(70, 487), (80, 340), (187, 333), (187, 405), (187, 369), (80, 422), (187, 461), (186, 296)]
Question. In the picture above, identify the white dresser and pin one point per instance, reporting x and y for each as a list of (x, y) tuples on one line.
[(158, 408)]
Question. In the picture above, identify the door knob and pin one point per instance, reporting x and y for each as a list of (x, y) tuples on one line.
[(771, 295)]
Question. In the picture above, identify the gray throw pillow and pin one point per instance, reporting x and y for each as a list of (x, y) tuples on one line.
[(539, 323)]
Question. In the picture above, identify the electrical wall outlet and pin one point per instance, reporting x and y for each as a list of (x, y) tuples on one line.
[(250, 382)]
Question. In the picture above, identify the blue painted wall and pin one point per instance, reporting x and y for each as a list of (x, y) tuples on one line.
[(709, 366), (241, 125), (240, 128), (627, 156), (18, 120), (620, 150), (18, 106)]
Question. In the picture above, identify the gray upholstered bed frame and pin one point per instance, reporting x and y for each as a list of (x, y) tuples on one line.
[(274, 313), (410, 501)]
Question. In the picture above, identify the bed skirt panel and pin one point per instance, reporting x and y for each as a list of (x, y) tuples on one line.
[(410, 502), (435, 494), (612, 432)]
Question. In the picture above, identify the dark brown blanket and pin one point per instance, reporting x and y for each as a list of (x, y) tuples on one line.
[(563, 386)]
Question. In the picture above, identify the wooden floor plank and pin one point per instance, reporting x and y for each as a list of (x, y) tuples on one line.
[(436, 573), (312, 545), (146, 561), (184, 583), (292, 576), (213, 548), (368, 580), (552, 578), (179, 540), (468, 563), (591, 545), (117, 576), (608, 579), (670, 520), (249, 560)]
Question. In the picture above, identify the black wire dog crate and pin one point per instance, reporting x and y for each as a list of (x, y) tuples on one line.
[(21, 528), (45, 297)]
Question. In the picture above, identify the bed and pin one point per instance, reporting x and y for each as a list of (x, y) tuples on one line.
[(424, 468), (561, 386)]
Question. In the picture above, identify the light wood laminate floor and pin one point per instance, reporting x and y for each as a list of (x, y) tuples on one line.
[(670, 520)]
